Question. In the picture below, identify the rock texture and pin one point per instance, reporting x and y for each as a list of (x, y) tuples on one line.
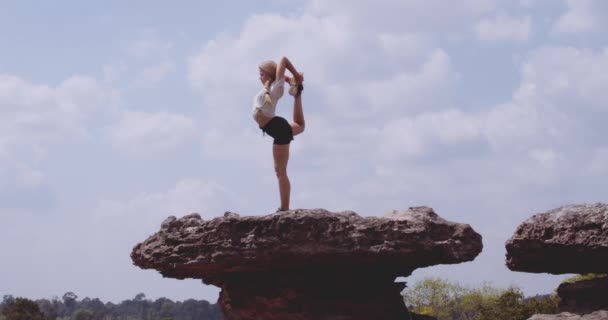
[(598, 315), (307, 264), (584, 296), (570, 239)]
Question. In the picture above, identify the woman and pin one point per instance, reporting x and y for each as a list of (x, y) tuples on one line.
[(272, 76)]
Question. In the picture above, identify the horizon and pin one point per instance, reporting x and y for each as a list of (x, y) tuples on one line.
[(118, 115)]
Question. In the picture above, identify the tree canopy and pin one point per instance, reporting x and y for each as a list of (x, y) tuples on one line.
[(446, 300)]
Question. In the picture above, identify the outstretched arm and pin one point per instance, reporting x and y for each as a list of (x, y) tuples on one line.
[(284, 63)]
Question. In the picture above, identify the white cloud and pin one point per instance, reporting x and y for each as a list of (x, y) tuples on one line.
[(598, 163), (29, 177), (415, 136), (528, 3), (540, 166), (113, 72), (516, 126), (151, 132), (560, 87), (545, 158), (390, 15), (226, 67), (187, 196), (33, 116), (504, 28), (218, 145), (583, 16), (520, 143), (566, 77), (396, 93), (480, 6), (344, 41), (405, 44), (156, 73), (150, 46), (403, 110)]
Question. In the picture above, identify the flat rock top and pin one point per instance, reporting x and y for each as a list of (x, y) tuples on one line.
[(569, 239), (309, 241)]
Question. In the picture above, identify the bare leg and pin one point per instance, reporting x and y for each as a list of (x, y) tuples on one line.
[(298, 116), (281, 157)]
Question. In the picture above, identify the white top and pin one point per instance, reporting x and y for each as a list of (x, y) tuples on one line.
[(276, 92)]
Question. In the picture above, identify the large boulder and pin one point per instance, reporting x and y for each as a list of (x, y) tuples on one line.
[(569, 239), (307, 264), (597, 315), (584, 296)]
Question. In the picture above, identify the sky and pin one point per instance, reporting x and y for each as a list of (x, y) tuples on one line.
[(115, 115)]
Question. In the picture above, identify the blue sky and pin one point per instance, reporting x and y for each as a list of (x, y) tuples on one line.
[(116, 115)]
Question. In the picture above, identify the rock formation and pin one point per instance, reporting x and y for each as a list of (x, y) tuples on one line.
[(307, 264), (597, 315), (584, 296), (569, 239)]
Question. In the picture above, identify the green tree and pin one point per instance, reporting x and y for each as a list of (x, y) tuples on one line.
[(48, 308), (70, 299), (7, 299), (432, 297), (22, 309), (468, 306), (450, 301), (83, 314), (543, 304), (507, 306)]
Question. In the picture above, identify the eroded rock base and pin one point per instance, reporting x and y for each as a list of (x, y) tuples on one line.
[(584, 296), (315, 296)]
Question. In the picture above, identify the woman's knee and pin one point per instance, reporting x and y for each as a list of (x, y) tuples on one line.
[(281, 171), (297, 128)]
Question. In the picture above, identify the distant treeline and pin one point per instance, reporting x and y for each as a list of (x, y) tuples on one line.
[(436, 297), (139, 308)]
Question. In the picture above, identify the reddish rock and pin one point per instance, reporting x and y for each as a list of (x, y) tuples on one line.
[(584, 296), (570, 239), (307, 264)]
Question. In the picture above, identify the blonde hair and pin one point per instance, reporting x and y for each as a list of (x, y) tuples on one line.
[(270, 68)]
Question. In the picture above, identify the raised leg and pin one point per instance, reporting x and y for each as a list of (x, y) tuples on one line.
[(298, 116)]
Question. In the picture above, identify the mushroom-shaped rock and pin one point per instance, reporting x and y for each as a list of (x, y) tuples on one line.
[(307, 264), (569, 239)]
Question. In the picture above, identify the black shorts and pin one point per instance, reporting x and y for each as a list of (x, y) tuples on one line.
[(279, 129)]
